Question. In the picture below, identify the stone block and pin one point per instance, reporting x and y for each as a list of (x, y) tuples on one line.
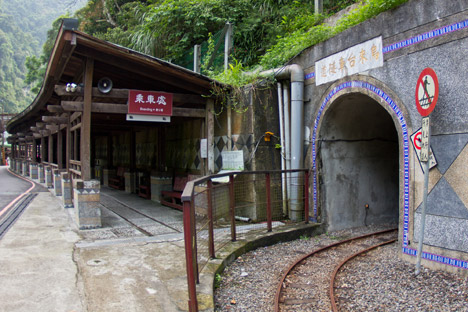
[(159, 184), (86, 200), (130, 182), (58, 182), (41, 173), (33, 171), (25, 168), (66, 190), (106, 173), (49, 179)]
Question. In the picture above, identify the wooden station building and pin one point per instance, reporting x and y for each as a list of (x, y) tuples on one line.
[(77, 133)]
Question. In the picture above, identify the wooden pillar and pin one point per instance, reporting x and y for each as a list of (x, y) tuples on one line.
[(60, 149), (210, 135), (110, 157), (86, 122), (34, 151), (68, 142), (50, 157), (132, 151), (43, 152)]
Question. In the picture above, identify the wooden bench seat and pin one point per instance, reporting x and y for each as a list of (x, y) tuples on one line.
[(118, 182), (144, 188), (173, 198)]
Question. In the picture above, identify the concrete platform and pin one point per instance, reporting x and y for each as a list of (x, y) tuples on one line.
[(47, 264)]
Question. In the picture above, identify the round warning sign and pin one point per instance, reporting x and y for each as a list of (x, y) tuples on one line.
[(417, 140), (427, 92)]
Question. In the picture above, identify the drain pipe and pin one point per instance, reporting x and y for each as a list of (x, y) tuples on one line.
[(283, 148), (295, 73)]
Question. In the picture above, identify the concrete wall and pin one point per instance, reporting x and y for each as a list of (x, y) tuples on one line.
[(443, 46)]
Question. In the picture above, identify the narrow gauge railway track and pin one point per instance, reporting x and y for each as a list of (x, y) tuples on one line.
[(14, 212), (133, 224), (307, 285)]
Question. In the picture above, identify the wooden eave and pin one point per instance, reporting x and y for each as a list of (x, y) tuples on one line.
[(127, 69)]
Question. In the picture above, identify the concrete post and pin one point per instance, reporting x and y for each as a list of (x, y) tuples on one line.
[(49, 177), (130, 182), (58, 182), (86, 199), (159, 184), (18, 166), (106, 173), (24, 168), (28, 172), (40, 169), (33, 171), (66, 190)]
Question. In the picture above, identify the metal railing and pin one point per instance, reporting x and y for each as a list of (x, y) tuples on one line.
[(222, 208)]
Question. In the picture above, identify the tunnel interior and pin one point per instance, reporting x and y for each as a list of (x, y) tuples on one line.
[(358, 153)]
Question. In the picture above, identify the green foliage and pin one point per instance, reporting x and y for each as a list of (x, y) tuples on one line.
[(303, 37), (23, 29), (217, 280)]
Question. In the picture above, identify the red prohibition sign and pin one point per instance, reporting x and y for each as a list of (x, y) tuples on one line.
[(417, 140), (427, 92)]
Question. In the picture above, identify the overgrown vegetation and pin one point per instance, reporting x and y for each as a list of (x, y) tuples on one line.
[(23, 28), (303, 37), (267, 33)]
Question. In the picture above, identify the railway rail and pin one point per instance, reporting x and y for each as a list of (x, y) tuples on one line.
[(112, 207), (304, 288)]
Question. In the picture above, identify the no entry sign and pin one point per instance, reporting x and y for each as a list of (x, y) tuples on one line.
[(427, 92)]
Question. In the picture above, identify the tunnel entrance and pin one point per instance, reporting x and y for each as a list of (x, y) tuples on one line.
[(359, 163)]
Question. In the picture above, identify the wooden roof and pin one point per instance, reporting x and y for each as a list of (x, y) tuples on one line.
[(126, 68)]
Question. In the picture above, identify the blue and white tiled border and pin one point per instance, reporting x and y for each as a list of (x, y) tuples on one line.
[(368, 87)]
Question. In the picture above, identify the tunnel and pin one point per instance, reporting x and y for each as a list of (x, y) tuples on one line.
[(359, 164)]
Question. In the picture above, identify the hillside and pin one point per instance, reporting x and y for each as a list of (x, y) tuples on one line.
[(23, 31)]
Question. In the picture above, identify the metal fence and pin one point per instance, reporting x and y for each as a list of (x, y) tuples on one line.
[(219, 209)]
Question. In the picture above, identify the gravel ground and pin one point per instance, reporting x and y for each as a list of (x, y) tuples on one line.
[(382, 282)]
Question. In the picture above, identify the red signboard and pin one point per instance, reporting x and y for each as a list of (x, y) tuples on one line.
[(149, 103)]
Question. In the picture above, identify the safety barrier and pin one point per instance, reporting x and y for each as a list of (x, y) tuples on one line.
[(222, 208)]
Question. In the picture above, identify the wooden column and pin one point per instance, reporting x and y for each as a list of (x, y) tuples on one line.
[(68, 142), (210, 135), (34, 151), (50, 155), (110, 157), (42, 149), (60, 149), (86, 122), (132, 151)]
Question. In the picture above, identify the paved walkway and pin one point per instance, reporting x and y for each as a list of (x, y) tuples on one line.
[(135, 263), (47, 264)]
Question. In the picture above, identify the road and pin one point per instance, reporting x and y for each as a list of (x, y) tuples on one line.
[(11, 187)]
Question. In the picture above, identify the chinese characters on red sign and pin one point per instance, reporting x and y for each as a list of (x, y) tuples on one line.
[(149, 103)]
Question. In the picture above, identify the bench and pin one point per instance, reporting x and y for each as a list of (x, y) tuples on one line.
[(118, 182), (144, 188), (173, 198)]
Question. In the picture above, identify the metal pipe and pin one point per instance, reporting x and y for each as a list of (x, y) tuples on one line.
[(287, 140), (283, 156), (296, 74)]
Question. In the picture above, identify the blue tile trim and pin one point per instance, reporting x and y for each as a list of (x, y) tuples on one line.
[(417, 39), (426, 36), (461, 264), (310, 75), (404, 128)]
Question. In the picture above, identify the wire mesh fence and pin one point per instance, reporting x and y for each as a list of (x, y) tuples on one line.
[(210, 50), (229, 208)]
